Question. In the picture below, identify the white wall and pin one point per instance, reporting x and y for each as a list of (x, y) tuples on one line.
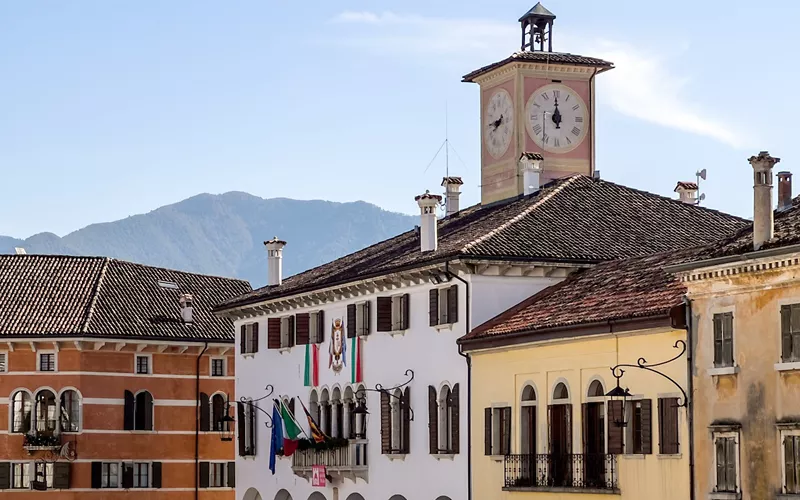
[(434, 357)]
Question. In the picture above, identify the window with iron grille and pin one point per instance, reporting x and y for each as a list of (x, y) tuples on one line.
[(723, 340), (142, 365), (217, 367), (47, 362)]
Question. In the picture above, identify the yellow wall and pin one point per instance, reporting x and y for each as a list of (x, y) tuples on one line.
[(499, 375)]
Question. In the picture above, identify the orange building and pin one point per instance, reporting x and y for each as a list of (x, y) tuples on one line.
[(113, 379)]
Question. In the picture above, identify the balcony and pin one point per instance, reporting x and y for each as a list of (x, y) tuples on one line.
[(346, 462), (580, 473), (41, 442)]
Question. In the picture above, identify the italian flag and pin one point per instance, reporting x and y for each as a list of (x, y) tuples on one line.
[(311, 377), (291, 431), (356, 374)]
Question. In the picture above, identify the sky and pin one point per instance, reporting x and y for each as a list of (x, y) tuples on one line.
[(109, 109)]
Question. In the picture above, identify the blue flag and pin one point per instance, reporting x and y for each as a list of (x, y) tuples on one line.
[(277, 438)]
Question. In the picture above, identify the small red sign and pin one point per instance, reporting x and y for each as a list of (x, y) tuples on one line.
[(318, 476)]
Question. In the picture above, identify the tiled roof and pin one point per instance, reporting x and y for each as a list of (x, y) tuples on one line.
[(686, 185), (621, 289), (48, 295), (547, 57), (572, 219)]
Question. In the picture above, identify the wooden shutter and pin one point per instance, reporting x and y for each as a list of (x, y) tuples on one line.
[(727, 339), (668, 426), (321, 327), (366, 319), (786, 333), (405, 302), (97, 474), (384, 314), (231, 474), (205, 412), (351, 321), (251, 422), (433, 421), (292, 334), (585, 427), (128, 414), (720, 449), (647, 426), (61, 475), (456, 429), (204, 474), (615, 432), (487, 431), (242, 429), (243, 339), (405, 417), (254, 339), (730, 463), (386, 424), (5, 475), (148, 411), (156, 475), (127, 476), (717, 340), (550, 429), (302, 324), (274, 333), (433, 306), (452, 304)]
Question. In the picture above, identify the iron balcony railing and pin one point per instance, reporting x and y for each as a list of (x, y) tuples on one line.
[(587, 471), (347, 461)]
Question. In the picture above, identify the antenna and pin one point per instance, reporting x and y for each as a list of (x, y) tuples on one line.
[(701, 174)]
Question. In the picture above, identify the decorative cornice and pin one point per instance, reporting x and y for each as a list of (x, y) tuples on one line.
[(535, 69), (728, 269)]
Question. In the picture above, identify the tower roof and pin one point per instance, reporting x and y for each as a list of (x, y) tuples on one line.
[(538, 10)]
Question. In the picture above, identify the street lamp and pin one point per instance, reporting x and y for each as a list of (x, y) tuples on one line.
[(226, 428), (361, 414), (622, 395)]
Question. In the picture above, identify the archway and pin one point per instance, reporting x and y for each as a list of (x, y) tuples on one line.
[(397, 497), (354, 496), (251, 494), (283, 495), (316, 496), (443, 498)]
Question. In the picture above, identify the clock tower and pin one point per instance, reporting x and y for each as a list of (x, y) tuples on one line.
[(536, 101)]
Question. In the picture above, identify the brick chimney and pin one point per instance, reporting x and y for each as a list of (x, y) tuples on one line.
[(274, 261), (784, 190), (452, 186), (530, 167), (428, 228), (687, 192), (763, 221)]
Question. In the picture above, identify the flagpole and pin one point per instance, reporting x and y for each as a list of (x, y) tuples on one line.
[(295, 419)]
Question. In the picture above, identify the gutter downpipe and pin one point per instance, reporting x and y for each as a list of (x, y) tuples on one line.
[(469, 382), (197, 424), (690, 386)]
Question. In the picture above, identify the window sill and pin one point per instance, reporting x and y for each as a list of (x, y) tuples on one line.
[(444, 456), (284, 350), (633, 456), (444, 326), (719, 495), (723, 370), (497, 458), (246, 355), (788, 496), (395, 333), (664, 456), (396, 456), (787, 366), (247, 457)]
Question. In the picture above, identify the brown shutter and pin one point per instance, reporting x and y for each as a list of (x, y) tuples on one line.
[(128, 419), (292, 333), (717, 340), (61, 475), (254, 340), (302, 324), (274, 333), (615, 414), (668, 426), (487, 431), (456, 429), (156, 482), (243, 339), (366, 319), (550, 429), (386, 424), (148, 408), (406, 308), (251, 421), (506, 444), (242, 431), (97, 475), (351, 321), (405, 417), (647, 426), (231, 474), (433, 421), (321, 327), (205, 409), (384, 314), (204, 474), (127, 475), (585, 427), (5, 475), (433, 306), (786, 333), (452, 304)]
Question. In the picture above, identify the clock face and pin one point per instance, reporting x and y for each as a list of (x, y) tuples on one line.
[(556, 118), (498, 123)]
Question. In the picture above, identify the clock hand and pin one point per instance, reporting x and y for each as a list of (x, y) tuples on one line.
[(556, 117), (497, 122)]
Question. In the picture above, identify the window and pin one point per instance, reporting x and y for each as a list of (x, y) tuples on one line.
[(358, 320), (316, 327), (281, 332), (143, 364), (528, 420), (20, 476), (444, 427), (396, 422), (217, 411), (216, 476), (639, 437), (393, 313), (791, 461), (287, 331), (790, 333), (3, 362), (110, 475), (44, 473), (723, 340), (668, 443), (22, 408), (498, 435), (141, 475), (248, 338), (217, 367), (726, 459), (47, 361), (70, 411), (443, 306), (45, 412), (337, 414), (247, 428)]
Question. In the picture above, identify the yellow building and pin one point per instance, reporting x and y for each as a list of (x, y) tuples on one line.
[(542, 425)]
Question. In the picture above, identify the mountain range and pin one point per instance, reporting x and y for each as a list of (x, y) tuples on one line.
[(223, 234)]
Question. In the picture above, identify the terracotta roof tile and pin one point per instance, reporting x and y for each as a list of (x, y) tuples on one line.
[(531, 56)]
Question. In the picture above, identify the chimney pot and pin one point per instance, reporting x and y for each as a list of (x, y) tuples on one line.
[(687, 192), (763, 218), (452, 186), (530, 166), (274, 261), (428, 232), (784, 190)]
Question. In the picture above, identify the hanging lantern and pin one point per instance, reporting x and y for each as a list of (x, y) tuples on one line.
[(617, 412), (361, 414)]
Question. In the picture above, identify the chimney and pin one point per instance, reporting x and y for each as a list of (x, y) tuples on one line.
[(784, 190), (530, 166), (428, 231), (687, 192), (186, 308), (274, 261), (452, 185), (763, 227)]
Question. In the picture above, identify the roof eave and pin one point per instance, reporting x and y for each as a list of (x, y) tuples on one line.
[(727, 259)]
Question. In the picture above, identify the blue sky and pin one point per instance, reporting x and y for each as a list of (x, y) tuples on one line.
[(108, 109)]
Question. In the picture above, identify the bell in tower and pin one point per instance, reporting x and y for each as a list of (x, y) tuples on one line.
[(537, 28)]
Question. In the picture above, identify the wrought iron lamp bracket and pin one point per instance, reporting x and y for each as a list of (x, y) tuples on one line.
[(617, 371), (252, 404), (379, 388)]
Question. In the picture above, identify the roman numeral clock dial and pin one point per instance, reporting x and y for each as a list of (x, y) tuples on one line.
[(498, 123), (556, 118)]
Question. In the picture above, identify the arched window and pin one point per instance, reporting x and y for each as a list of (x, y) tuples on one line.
[(70, 411), (143, 412), (337, 414), (349, 419), (560, 392), (313, 406), (21, 411), (596, 389), (217, 411), (448, 419), (528, 420), (45, 412), (316, 496), (325, 411)]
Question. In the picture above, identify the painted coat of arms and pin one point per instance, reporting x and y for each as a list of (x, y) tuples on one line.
[(338, 347)]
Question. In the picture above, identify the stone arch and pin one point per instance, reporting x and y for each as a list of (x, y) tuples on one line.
[(355, 496), (596, 389), (316, 496), (443, 498), (283, 495), (251, 494), (397, 497)]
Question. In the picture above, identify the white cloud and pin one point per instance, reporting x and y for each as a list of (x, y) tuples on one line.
[(642, 85)]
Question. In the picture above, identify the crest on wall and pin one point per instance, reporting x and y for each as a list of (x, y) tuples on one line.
[(337, 350)]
